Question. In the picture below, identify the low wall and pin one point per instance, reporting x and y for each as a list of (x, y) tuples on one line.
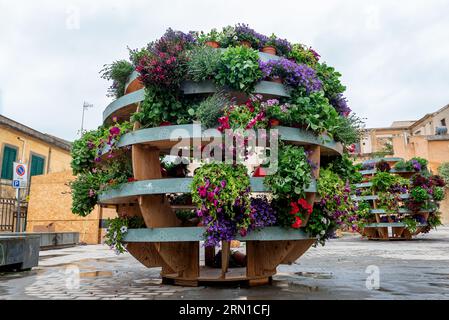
[(444, 208), (49, 209)]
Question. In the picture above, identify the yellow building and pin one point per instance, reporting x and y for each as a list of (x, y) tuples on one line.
[(426, 138), (42, 152)]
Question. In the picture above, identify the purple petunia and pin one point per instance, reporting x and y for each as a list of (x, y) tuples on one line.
[(340, 103), (293, 74)]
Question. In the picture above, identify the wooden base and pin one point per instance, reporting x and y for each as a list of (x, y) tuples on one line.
[(398, 233), (214, 276)]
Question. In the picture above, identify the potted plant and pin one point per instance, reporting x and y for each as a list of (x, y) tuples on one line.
[(246, 36), (210, 39), (269, 46)]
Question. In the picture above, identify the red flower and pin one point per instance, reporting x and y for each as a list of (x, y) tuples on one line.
[(305, 205), (165, 123), (295, 208), (131, 179), (297, 223)]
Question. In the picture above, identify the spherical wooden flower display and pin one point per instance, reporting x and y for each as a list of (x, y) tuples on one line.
[(398, 199), (179, 152)]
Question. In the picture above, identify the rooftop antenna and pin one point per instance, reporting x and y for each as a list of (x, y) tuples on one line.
[(86, 105)]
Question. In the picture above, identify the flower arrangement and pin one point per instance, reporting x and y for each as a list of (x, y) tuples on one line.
[(301, 54), (87, 164), (262, 213), (164, 66), (245, 34), (294, 75), (383, 166), (221, 194), (415, 164), (211, 38)]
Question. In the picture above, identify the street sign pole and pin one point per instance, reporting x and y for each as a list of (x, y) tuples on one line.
[(20, 180), (18, 227)]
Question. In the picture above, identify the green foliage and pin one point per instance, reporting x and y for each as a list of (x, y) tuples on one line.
[(212, 35), (160, 106), (434, 220), (117, 229), (382, 181), (330, 79), (438, 193), (443, 171), (419, 194), (349, 130), (136, 54), (84, 151), (203, 63), (302, 55), (119, 72), (345, 168), (210, 109), (410, 224), (320, 225), (85, 193), (293, 174), (239, 69), (314, 112)]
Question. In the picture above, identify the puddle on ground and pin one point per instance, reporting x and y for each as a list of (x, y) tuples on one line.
[(94, 274), (439, 285), (49, 256), (315, 275)]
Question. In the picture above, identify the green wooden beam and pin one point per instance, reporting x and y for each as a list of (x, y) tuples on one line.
[(183, 234), (390, 224), (124, 192)]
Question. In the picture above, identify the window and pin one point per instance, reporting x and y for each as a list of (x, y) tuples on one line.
[(443, 122), (37, 165), (9, 156)]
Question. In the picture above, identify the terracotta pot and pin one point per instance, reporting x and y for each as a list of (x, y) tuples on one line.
[(274, 122), (213, 44), (276, 80), (245, 43), (269, 50)]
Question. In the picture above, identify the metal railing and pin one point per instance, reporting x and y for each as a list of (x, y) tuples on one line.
[(8, 215)]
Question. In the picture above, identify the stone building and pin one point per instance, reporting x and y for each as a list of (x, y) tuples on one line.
[(427, 138), (43, 153)]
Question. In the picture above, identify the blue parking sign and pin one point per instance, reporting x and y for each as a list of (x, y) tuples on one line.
[(16, 183)]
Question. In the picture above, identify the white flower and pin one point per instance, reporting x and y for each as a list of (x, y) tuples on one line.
[(322, 232), (123, 229), (114, 235), (235, 38)]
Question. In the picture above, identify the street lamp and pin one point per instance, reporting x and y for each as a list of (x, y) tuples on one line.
[(85, 107)]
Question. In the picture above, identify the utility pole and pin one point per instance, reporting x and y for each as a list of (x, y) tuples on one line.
[(85, 107)]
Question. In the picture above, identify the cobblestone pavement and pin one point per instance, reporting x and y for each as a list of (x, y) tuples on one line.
[(345, 268)]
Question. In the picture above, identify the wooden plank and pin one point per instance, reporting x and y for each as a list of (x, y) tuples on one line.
[(225, 253)]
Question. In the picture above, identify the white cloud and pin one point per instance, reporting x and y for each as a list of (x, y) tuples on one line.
[(393, 55)]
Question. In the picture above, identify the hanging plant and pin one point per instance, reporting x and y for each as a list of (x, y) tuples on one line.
[(220, 192), (117, 229)]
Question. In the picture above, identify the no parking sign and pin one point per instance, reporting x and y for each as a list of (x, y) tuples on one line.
[(20, 177)]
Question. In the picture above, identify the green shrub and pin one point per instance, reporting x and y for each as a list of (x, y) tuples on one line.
[(443, 171), (203, 63), (239, 69), (119, 72), (210, 109)]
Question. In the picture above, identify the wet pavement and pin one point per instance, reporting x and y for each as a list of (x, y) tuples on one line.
[(346, 268)]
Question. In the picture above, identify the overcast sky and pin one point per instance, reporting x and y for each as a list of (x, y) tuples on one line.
[(394, 55)]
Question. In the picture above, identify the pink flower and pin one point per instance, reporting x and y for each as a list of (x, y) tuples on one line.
[(114, 131)]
